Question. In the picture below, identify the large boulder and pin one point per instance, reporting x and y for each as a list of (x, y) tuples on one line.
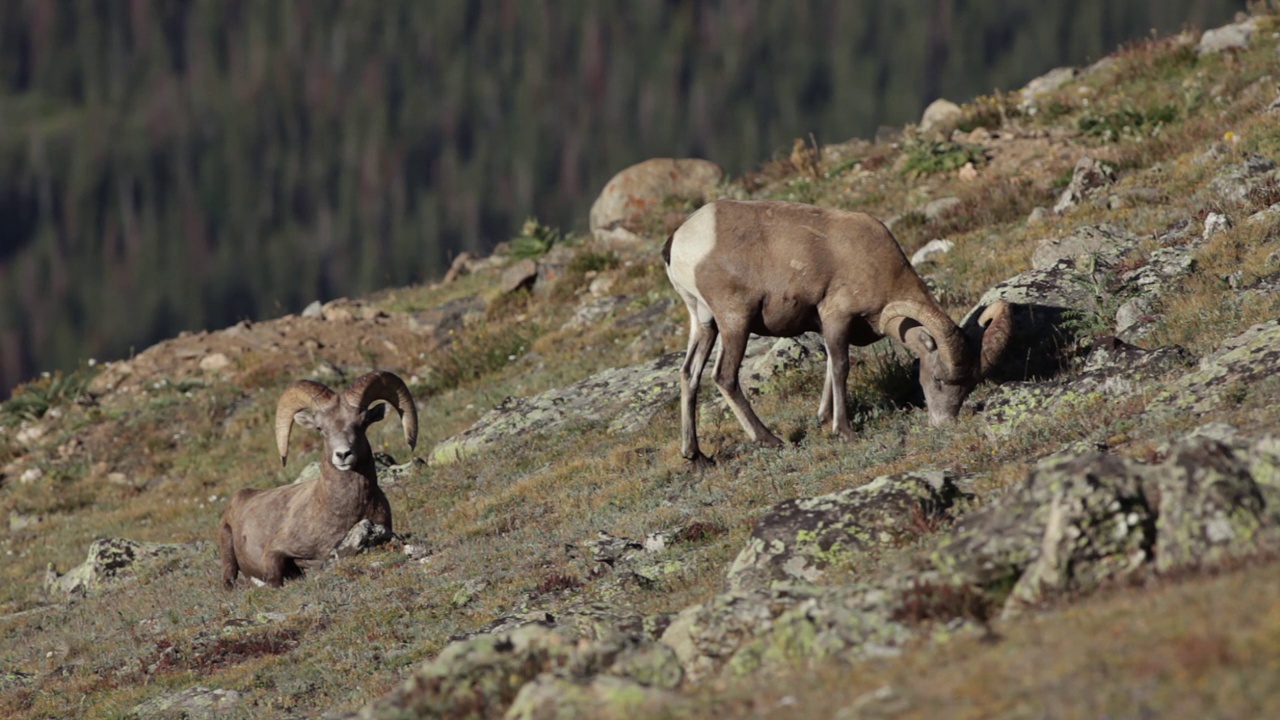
[(797, 540), (1080, 521), (1235, 36), (652, 196)]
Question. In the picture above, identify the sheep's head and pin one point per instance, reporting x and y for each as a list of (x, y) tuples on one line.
[(950, 366), (342, 418)]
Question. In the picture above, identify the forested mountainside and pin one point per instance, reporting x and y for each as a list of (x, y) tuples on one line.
[(170, 165)]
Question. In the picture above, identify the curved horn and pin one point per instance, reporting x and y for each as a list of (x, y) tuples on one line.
[(998, 321), (940, 326), (301, 395), (380, 385)]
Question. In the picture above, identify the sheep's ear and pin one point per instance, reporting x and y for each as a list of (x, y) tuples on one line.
[(375, 413), (919, 340), (306, 419)]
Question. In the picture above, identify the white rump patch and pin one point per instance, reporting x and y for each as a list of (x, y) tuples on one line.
[(692, 243)]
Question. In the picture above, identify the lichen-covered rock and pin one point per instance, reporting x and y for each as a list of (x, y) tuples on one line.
[(478, 677), (1088, 177), (1095, 245), (633, 200), (1228, 375), (1087, 516), (1211, 507), (110, 558), (606, 697), (627, 397), (193, 703), (742, 632), (797, 540), (1112, 370), (1234, 183), (481, 675)]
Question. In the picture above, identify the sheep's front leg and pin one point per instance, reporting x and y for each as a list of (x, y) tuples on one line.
[(834, 394), (701, 339), (824, 407), (733, 345)]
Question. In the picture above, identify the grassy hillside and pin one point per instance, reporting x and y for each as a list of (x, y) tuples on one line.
[(151, 448)]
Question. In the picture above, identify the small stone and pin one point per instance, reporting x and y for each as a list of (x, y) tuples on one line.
[(1038, 215), (936, 209), (934, 247), (968, 173), (519, 276), (29, 435), (215, 362), (31, 475), (315, 310), (1215, 223)]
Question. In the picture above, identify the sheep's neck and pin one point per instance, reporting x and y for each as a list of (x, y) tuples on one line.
[(347, 493)]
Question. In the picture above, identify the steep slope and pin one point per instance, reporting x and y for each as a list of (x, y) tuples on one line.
[(1096, 537)]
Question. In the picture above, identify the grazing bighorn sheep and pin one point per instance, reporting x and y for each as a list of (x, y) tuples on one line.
[(272, 534), (782, 269)]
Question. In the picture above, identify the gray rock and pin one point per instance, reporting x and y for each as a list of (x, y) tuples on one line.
[(936, 209), (1215, 223), (548, 697), (797, 540), (1269, 216), (363, 536), (196, 702), (519, 276), (1226, 376), (627, 398), (1087, 247), (314, 310), (1044, 85), (1038, 215), (1234, 183), (1210, 506), (1113, 369), (934, 247), (595, 309), (637, 193), (112, 558), (1072, 524), (481, 675), (941, 116), (1228, 37), (1088, 177)]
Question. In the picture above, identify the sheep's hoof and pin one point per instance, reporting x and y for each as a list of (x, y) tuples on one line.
[(847, 434), (771, 440), (701, 462)]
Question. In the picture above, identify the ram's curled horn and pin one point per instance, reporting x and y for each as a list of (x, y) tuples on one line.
[(951, 345), (998, 321), (301, 395), (379, 385)]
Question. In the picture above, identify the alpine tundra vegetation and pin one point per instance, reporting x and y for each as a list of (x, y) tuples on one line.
[(1097, 538)]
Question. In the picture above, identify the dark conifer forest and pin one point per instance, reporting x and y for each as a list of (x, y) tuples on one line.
[(184, 164)]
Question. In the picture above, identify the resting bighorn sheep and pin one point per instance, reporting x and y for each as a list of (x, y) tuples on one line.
[(272, 534), (782, 269)]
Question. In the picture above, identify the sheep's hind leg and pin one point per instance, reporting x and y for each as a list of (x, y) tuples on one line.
[(733, 345), (230, 566), (701, 338)]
